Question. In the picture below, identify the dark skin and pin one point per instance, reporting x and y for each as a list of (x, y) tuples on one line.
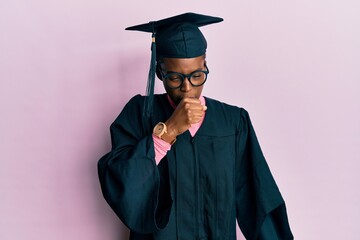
[(189, 109)]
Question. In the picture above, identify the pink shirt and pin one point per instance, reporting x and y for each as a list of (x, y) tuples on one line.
[(161, 147)]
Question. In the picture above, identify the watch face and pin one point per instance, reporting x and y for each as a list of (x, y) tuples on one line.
[(159, 129)]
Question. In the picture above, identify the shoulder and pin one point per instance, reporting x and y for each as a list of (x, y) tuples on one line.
[(135, 100), (232, 115), (138, 101), (225, 108), (134, 107), (131, 116)]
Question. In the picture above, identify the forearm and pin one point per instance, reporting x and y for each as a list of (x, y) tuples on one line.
[(160, 148), (131, 181)]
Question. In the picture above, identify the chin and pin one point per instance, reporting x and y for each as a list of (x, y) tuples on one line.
[(177, 100)]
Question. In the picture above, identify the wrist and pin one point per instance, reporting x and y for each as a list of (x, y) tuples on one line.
[(168, 138), (171, 130)]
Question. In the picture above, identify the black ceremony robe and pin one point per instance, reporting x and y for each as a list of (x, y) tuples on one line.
[(200, 187)]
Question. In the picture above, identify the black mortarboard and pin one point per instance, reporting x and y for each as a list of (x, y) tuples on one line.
[(174, 37)]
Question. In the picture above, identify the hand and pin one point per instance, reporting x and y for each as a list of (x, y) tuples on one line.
[(188, 111)]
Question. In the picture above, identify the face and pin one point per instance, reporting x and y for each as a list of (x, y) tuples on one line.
[(184, 66)]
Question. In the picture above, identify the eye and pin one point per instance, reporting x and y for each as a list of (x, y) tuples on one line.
[(197, 75), (174, 77)]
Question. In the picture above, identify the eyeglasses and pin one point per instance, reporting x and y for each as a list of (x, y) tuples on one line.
[(175, 80)]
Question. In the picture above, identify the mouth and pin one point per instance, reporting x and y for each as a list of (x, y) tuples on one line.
[(187, 96), (178, 99)]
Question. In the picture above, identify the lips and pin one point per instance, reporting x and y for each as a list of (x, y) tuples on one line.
[(189, 97), (178, 99)]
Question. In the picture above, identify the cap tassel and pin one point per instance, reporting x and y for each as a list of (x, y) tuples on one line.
[(149, 99)]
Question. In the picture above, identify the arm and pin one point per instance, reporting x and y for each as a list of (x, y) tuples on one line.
[(188, 115), (260, 208), (161, 147), (178, 124), (132, 184)]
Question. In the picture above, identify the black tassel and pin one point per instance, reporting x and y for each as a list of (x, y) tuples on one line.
[(149, 99)]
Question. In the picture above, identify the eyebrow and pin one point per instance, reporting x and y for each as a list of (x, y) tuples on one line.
[(199, 69)]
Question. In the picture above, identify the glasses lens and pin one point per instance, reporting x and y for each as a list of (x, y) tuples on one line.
[(198, 78), (174, 80)]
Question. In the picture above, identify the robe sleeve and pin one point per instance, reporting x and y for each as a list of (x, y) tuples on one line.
[(133, 185), (260, 208)]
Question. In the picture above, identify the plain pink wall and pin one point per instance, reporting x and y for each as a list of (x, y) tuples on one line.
[(68, 67)]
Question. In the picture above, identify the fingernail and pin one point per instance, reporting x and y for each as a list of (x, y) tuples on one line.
[(204, 107)]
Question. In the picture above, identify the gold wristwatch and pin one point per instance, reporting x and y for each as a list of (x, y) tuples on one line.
[(160, 130)]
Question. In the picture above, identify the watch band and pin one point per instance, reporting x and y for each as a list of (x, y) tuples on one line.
[(167, 139)]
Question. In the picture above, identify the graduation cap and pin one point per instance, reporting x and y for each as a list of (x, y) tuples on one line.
[(173, 37)]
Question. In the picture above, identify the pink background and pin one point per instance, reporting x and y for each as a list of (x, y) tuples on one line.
[(68, 67)]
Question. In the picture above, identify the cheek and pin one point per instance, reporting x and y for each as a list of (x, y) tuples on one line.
[(199, 90), (175, 95), (171, 92)]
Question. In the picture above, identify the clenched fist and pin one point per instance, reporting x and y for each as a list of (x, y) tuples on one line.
[(188, 111)]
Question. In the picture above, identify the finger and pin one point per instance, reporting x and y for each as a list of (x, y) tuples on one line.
[(196, 114), (191, 100), (195, 106), (198, 107), (195, 120)]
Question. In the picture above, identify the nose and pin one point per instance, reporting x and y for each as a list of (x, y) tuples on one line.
[(186, 85)]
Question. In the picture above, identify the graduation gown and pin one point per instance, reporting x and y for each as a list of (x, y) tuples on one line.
[(200, 187)]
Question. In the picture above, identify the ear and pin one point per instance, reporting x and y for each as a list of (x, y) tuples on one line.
[(158, 74), (205, 62)]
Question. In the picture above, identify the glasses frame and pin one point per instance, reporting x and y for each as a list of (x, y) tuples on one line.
[(183, 76)]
